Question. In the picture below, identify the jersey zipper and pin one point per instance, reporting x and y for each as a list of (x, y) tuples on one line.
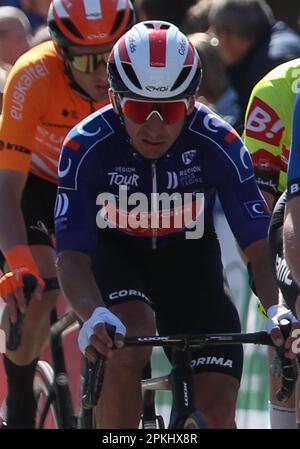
[(154, 205)]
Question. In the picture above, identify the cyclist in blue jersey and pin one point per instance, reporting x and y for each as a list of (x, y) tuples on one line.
[(291, 229), (136, 242)]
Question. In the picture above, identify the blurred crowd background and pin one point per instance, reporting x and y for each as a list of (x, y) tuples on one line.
[(239, 41)]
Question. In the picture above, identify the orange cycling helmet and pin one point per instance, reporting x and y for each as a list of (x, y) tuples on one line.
[(89, 22)]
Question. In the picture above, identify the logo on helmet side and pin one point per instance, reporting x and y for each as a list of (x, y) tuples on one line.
[(132, 44), (157, 89), (182, 47), (97, 36)]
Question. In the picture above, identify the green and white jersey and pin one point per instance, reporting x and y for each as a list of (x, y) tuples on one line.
[(268, 125)]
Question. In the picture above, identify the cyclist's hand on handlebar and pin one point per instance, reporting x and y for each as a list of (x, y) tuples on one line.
[(11, 290), (275, 314), (93, 336)]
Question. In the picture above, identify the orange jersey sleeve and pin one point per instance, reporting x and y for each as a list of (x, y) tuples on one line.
[(24, 97)]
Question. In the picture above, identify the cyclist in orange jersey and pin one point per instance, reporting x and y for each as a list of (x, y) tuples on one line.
[(50, 89)]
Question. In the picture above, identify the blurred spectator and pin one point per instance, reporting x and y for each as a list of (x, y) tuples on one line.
[(287, 10), (170, 10), (196, 18), (38, 7), (15, 34), (215, 89), (251, 42), (41, 35), (36, 10), (4, 71)]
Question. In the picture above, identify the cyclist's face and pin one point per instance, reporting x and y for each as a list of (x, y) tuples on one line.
[(89, 71), (154, 137)]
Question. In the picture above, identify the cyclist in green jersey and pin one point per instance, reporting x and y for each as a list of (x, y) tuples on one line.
[(267, 135)]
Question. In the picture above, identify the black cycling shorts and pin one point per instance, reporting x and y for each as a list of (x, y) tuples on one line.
[(281, 271), (37, 205), (184, 284)]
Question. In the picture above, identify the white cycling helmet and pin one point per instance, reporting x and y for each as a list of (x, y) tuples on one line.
[(154, 60)]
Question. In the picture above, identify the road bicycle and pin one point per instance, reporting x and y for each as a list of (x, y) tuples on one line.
[(51, 386), (179, 381), (52, 391)]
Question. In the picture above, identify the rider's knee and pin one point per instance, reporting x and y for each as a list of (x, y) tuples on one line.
[(220, 415)]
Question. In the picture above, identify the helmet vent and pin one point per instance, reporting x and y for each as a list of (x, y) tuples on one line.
[(131, 19), (164, 26), (54, 28), (70, 26), (195, 83), (118, 21), (131, 75), (182, 77)]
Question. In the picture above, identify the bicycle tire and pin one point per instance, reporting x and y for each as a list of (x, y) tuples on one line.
[(43, 391), (192, 421)]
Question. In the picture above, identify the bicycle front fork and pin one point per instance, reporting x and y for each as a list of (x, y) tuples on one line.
[(182, 381)]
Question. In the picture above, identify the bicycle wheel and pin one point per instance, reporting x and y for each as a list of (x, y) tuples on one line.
[(46, 412), (192, 421)]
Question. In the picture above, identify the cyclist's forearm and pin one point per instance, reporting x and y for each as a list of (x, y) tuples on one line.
[(265, 284), (78, 283), (12, 225)]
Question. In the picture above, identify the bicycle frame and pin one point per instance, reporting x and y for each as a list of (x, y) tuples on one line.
[(60, 395), (180, 382), (182, 385)]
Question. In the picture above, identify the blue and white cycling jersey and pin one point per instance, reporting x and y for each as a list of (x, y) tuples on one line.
[(294, 159), (207, 158)]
